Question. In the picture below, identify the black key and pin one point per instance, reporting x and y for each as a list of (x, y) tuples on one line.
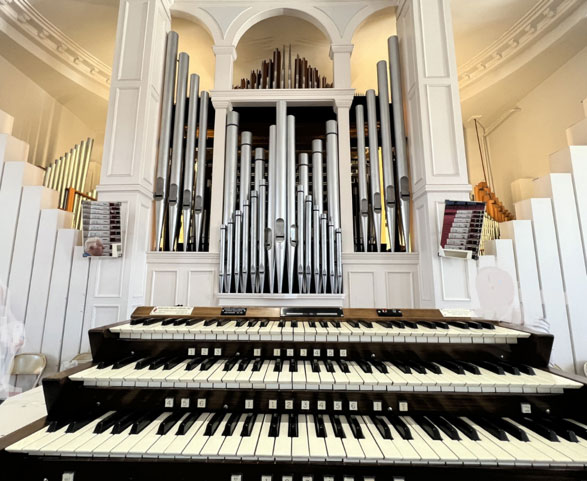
[(335, 324), (274, 426), (355, 427), (144, 362), (491, 428), (539, 428), (364, 365), (343, 365), (458, 324), (492, 367), (337, 426), (401, 427), (136, 322), (486, 325), (208, 363), (382, 368), (209, 322), (559, 429), (213, 424), (248, 425), (230, 425), (168, 321), (222, 322), (242, 365), (143, 421), (328, 365), (416, 367), (509, 368), (430, 366), (104, 364), (292, 428), (264, 323), (578, 430), (281, 324), (192, 364), (76, 425), (152, 321), (525, 369), (170, 421), (511, 429), (293, 365), (366, 324), (474, 325), (124, 422), (441, 325), (402, 367), (411, 325), (174, 361), (228, 365), (354, 324), (294, 324), (397, 324), (193, 322), (312, 324), (125, 361), (158, 362), (108, 422), (428, 324), (446, 427), (241, 322), (257, 365), (187, 423), (252, 323), (319, 425), (429, 428), (381, 427), (315, 365), (464, 427), (180, 321), (323, 324), (469, 367), (451, 366), (278, 365)]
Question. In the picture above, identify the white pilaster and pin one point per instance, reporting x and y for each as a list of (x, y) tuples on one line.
[(344, 165), (434, 128), (130, 146), (341, 65), (225, 57)]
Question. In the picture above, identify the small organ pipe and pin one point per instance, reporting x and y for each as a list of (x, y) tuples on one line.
[(201, 170), (190, 155), (375, 186), (362, 164)]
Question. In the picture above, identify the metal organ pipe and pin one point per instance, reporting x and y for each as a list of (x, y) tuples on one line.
[(375, 187), (317, 196), (333, 192), (308, 243), (362, 164), (201, 170), (261, 188), (270, 230), (292, 232), (401, 174), (280, 190), (386, 151), (190, 154), (244, 205), (303, 171), (230, 166)]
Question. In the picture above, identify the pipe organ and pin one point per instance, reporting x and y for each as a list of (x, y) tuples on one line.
[(183, 174)]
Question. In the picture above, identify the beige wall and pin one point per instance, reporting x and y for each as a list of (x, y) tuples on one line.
[(520, 146), (39, 119)]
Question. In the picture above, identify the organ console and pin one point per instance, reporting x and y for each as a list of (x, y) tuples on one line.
[(308, 394)]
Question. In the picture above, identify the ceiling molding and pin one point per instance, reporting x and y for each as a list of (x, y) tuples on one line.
[(57, 46), (527, 31)]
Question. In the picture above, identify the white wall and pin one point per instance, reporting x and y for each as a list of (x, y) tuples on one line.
[(39, 119), (520, 146)]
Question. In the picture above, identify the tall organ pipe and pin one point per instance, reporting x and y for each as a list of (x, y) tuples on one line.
[(261, 188), (201, 170), (300, 256), (279, 241), (362, 164), (177, 148), (271, 194), (386, 151), (308, 243), (402, 169), (293, 231), (303, 171), (253, 204), (375, 186), (244, 205), (317, 197), (230, 165), (190, 155), (333, 192), (160, 195)]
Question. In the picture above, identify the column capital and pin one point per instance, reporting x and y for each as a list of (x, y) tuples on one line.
[(340, 48), (225, 50), (342, 103), (221, 104)]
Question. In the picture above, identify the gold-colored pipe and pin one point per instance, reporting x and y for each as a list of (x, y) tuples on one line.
[(82, 156), (47, 176)]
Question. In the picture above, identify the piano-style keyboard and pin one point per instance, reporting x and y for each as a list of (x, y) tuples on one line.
[(264, 395)]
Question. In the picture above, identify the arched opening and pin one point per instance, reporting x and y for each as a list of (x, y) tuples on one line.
[(370, 46), (259, 42), (197, 42)]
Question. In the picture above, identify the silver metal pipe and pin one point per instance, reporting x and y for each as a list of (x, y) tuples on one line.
[(262, 234), (324, 251), (303, 172), (317, 196), (175, 176), (237, 249), (260, 241), (374, 177), (308, 243), (279, 238), (331, 256), (362, 164), (190, 157), (230, 169), (293, 234), (245, 189), (253, 244), (300, 256), (271, 199), (386, 151), (402, 168), (222, 267), (201, 170), (165, 131), (316, 249), (338, 234), (332, 178)]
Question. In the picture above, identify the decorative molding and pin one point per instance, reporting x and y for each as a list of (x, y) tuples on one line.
[(299, 97), (526, 31), (29, 22)]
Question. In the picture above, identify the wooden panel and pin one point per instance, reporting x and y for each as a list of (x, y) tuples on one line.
[(132, 50), (400, 289), (200, 287), (51, 220), (164, 287), (434, 38), (539, 211), (67, 239), (73, 331), (12, 150), (361, 288)]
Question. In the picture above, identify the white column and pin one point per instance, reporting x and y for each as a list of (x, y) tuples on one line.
[(225, 57), (117, 286), (341, 65), (344, 166), (434, 127)]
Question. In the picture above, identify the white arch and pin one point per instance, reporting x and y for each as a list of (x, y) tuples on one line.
[(359, 18), (253, 16), (201, 17)]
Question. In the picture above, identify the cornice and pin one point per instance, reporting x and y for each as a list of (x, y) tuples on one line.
[(525, 32), (29, 22)]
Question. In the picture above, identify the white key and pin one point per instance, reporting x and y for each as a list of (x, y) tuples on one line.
[(334, 444), (368, 443), (271, 376), (285, 376), (404, 447), (351, 445), (258, 377), (178, 445), (264, 450), (312, 378), (445, 454), (164, 441), (298, 378), (231, 443), (248, 444), (147, 438), (214, 443), (299, 444), (426, 453), (282, 447), (316, 445), (326, 378), (195, 445)]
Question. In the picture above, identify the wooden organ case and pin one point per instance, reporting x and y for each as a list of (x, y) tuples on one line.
[(307, 394)]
